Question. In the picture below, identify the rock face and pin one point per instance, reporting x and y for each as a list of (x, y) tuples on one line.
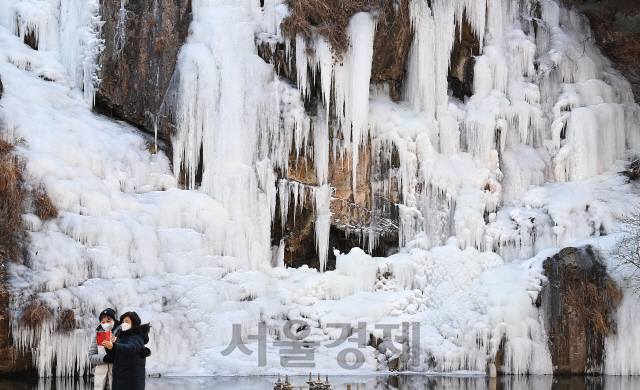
[(577, 301), (391, 47), (465, 49), (349, 212), (141, 48), (142, 43)]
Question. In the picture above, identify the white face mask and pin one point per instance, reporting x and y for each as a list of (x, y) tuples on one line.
[(125, 326), (107, 325)]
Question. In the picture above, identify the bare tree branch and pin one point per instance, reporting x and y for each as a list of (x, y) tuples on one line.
[(626, 251)]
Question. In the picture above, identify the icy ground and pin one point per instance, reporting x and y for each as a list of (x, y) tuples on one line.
[(193, 262)]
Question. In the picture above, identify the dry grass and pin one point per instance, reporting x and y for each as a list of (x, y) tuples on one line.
[(35, 314), (631, 175), (67, 321), (12, 233), (594, 303), (9, 171), (330, 19), (44, 207), (632, 171)]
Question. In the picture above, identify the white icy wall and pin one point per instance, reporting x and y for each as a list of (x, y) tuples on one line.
[(193, 262), (70, 29)]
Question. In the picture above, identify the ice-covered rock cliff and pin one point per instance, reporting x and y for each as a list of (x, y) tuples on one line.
[(469, 170)]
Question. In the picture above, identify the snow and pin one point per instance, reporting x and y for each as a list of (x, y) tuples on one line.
[(70, 28), (487, 188)]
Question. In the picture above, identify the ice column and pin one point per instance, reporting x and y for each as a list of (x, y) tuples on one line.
[(80, 43), (228, 105), (323, 223), (352, 84), (69, 27)]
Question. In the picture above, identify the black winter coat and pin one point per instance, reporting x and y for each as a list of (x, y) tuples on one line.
[(129, 358)]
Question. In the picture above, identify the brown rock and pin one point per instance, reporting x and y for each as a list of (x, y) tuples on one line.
[(498, 360), (302, 169), (29, 39), (139, 59), (577, 301), (298, 233), (465, 47), (285, 67), (351, 209), (391, 47)]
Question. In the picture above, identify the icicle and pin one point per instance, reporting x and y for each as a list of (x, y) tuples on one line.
[(323, 223), (81, 44), (284, 194), (121, 28), (421, 75), (499, 67), (351, 86), (479, 129), (40, 19), (449, 130), (324, 63), (293, 187), (301, 64), (195, 105), (409, 219), (280, 255), (273, 13), (522, 52), (321, 145)]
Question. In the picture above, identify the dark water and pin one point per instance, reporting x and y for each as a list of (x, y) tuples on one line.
[(394, 382)]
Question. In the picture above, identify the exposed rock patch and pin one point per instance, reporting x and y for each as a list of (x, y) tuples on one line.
[(391, 47), (331, 17), (465, 48), (141, 49), (577, 302)]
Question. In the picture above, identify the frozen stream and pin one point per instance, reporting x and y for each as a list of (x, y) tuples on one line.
[(401, 382)]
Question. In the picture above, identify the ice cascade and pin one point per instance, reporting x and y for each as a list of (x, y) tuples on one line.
[(479, 189)]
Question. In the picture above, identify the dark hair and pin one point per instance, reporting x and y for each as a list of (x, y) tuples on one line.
[(133, 316)]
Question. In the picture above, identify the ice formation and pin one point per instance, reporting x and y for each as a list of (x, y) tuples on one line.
[(68, 28), (486, 188)]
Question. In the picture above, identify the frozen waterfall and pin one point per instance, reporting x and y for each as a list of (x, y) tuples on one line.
[(485, 188)]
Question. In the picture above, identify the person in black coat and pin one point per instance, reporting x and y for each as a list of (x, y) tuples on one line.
[(129, 353)]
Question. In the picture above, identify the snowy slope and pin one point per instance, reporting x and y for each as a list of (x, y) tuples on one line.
[(195, 262)]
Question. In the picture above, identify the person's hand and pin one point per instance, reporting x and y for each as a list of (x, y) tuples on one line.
[(108, 344)]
